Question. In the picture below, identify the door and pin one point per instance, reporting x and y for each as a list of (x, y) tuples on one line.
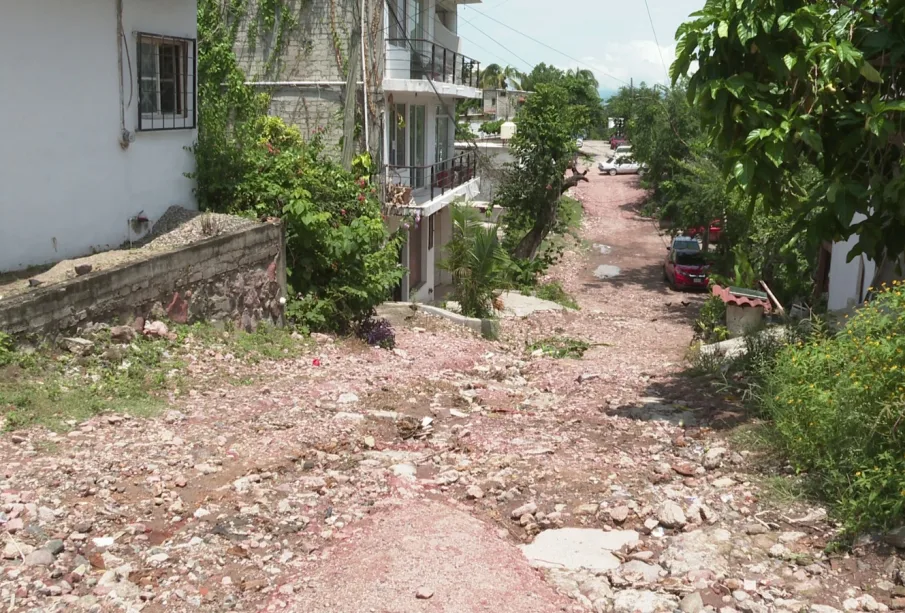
[(416, 273), (396, 130), (416, 143)]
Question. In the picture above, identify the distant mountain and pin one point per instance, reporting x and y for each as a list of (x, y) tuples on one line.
[(607, 92)]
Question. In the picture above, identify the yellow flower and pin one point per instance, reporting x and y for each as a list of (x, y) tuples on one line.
[(858, 474)]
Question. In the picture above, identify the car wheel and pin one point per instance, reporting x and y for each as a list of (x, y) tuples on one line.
[(612, 172)]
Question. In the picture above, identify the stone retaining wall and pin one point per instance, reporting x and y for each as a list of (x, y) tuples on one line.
[(239, 277)]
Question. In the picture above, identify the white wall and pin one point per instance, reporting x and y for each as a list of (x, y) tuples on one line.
[(844, 286), (66, 185)]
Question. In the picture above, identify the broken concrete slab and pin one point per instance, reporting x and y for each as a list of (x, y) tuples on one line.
[(577, 548), (516, 304)]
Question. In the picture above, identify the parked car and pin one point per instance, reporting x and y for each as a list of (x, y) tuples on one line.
[(617, 141), (623, 165), (685, 266), (579, 142), (716, 228), (623, 150)]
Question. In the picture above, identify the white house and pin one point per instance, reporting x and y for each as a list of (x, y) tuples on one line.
[(848, 281), (425, 75), (97, 107)]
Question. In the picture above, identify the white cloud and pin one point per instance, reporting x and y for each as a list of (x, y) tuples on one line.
[(636, 59)]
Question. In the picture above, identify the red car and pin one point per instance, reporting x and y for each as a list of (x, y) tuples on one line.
[(716, 228), (618, 141), (685, 266)]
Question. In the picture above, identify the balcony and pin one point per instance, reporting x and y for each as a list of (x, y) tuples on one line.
[(422, 60), (430, 186)]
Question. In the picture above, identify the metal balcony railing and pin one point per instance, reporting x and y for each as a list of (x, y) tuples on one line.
[(428, 60), (409, 185)]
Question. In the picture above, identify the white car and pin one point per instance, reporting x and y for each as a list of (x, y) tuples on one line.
[(623, 150), (580, 142), (621, 166)]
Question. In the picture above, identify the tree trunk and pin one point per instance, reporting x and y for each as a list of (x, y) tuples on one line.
[(529, 245)]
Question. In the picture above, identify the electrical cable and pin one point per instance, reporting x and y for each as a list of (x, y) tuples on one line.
[(539, 42), (650, 18)]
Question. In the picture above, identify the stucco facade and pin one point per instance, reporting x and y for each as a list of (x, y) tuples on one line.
[(848, 281), (70, 184)]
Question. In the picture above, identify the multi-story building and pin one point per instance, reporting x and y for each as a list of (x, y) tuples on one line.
[(412, 72)]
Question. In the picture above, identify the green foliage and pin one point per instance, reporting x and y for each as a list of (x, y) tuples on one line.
[(476, 260), (554, 292), (711, 322), (582, 88), (786, 85), (47, 387), (836, 402), (341, 260), (543, 148), (491, 127), (7, 353), (560, 347)]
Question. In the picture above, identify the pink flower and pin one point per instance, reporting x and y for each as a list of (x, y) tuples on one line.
[(316, 362)]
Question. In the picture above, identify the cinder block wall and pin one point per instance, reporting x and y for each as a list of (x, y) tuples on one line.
[(317, 51)]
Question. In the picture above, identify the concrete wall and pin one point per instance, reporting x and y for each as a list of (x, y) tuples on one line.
[(67, 186), (740, 320), (313, 59), (845, 290), (238, 277)]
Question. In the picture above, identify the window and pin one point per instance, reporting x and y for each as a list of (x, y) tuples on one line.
[(166, 83)]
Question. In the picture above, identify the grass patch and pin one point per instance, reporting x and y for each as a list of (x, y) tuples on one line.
[(560, 347), (554, 292), (55, 388), (783, 490)]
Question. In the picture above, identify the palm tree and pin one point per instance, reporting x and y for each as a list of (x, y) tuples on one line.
[(477, 261), (513, 77), (584, 75), (493, 77)]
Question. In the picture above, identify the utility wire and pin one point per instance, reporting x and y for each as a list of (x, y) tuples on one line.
[(522, 60), (539, 42), (650, 18)]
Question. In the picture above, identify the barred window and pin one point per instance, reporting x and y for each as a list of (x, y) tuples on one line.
[(166, 83)]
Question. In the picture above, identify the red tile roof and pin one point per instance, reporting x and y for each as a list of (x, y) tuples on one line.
[(743, 301)]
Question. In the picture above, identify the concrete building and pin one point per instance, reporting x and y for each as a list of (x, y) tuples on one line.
[(413, 74), (848, 282), (503, 103), (97, 108)]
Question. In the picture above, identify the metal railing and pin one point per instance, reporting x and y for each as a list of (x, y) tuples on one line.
[(428, 60), (401, 183)]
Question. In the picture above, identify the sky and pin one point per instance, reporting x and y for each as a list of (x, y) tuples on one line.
[(611, 37)]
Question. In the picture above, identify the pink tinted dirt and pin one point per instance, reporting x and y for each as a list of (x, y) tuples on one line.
[(422, 544)]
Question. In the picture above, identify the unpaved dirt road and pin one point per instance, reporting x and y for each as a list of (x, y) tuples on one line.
[(316, 488)]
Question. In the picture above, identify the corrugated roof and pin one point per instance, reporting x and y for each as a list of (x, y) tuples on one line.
[(728, 297)]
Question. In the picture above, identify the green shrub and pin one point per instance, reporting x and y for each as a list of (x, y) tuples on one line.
[(492, 127), (7, 350), (711, 322), (476, 260), (837, 403)]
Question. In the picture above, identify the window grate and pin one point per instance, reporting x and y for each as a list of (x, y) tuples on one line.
[(166, 83)]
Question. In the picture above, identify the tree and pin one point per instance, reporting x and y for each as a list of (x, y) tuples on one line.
[(495, 76), (544, 148), (802, 82), (541, 75)]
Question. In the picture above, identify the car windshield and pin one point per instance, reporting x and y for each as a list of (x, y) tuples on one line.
[(609, 161), (686, 245), (690, 258)]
